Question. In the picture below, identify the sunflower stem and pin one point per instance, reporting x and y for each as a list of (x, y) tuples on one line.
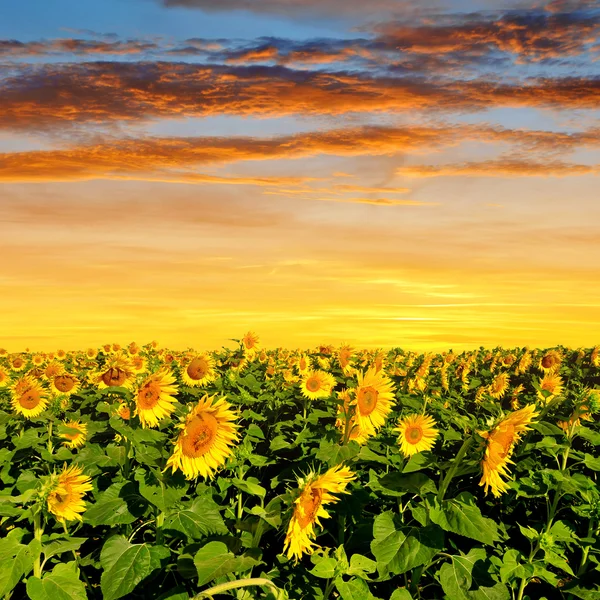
[(127, 465), (38, 532), (452, 470), (50, 446)]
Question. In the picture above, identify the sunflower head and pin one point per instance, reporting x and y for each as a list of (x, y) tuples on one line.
[(317, 384), (65, 498), (206, 438), (29, 398), (198, 370), (417, 434), (373, 399), (155, 398)]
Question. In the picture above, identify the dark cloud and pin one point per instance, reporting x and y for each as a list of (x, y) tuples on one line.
[(15, 48)]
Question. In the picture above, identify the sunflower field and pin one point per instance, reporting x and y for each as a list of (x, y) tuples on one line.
[(336, 473)]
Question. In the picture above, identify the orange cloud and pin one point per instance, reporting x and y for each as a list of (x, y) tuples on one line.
[(501, 168)]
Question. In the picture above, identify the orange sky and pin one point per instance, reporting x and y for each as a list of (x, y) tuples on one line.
[(314, 190)]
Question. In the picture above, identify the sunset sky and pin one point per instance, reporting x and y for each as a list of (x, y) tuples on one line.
[(379, 172)]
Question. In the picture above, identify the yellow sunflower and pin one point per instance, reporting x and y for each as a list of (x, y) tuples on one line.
[(198, 370), (116, 372), (524, 363), (551, 382), (373, 398), (317, 384), (499, 386), (17, 363), (154, 399), (123, 411), (315, 492), (29, 398), (91, 353), (344, 358), (356, 433), (38, 360), (53, 369), (4, 376), (251, 344), (65, 500), (499, 447), (303, 364), (550, 362), (206, 438), (65, 384), (61, 355), (417, 434), (139, 363), (75, 435)]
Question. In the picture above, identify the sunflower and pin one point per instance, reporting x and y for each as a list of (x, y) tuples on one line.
[(61, 355), (4, 376), (550, 362), (65, 500), (139, 363), (303, 364), (373, 397), (29, 398), (198, 370), (38, 360), (65, 384), (91, 353), (317, 384), (206, 438), (499, 386), (154, 399), (17, 363), (595, 356), (499, 447), (315, 492), (344, 358), (524, 363), (116, 372), (356, 433), (551, 382), (417, 434), (251, 344), (75, 435)]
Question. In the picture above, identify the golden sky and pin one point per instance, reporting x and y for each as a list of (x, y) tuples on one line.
[(425, 179)]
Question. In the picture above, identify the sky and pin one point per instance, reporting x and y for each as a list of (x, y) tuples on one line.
[(385, 173)]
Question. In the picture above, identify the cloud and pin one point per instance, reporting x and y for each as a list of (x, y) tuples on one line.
[(15, 48), (42, 96), (501, 168)]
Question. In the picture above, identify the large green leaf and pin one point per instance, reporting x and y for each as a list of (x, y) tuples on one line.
[(461, 515), (119, 504), (162, 493), (355, 589), (399, 550), (199, 519), (125, 565), (62, 584), (60, 545), (16, 559), (214, 560)]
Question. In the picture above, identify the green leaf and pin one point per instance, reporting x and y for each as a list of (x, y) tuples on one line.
[(325, 568), (592, 462), (593, 437), (255, 431), (62, 584), (461, 515), (250, 486), (398, 551), (214, 560), (361, 566), (160, 493), (513, 568), (397, 484), (60, 545), (119, 504), (16, 559), (456, 577), (401, 594), (355, 589), (554, 559), (367, 455), (418, 461), (125, 565), (200, 519)]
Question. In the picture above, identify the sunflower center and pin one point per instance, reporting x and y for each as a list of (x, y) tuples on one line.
[(29, 399), (303, 364), (414, 435), (344, 358), (200, 435), (313, 384), (367, 400), (548, 361), (309, 506), (64, 383), (249, 343), (114, 377), (17, 363), (149, 395), (197, 369)]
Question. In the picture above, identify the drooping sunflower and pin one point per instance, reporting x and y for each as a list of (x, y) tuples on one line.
[(315, 492), (29, 398), (317, 384), (344, 358), (198, 370), (550, 362), (499, 386), (357, 434), (75, 434), (155, 397), (65, 500), (417, 434), (206, 439), (251, 344), (524, 363), (65, 384), (551, 382), (499, 447), (373, 398)]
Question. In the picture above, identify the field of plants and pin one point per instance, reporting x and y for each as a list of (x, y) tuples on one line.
[(141, 472)]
